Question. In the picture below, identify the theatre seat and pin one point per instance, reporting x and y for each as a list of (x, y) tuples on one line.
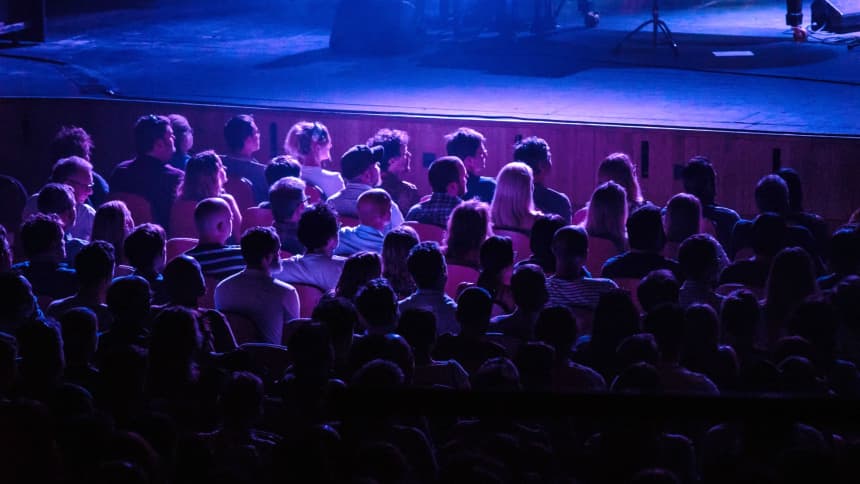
[(599, 251), (182, 219), (458, 274), (178, 246), (427, 232), (309, 297), (520, 241), (256, 216), (242, 191), (140, 208)]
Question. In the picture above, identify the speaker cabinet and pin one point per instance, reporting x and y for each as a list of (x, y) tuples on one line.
[(836, 15)]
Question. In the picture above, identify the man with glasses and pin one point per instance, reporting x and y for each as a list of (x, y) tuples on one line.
[(287, 200), (77, 173)]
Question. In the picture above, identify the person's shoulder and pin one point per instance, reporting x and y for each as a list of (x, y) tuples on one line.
[(284, 287), (487, 180), (719, 210), (602, 282)]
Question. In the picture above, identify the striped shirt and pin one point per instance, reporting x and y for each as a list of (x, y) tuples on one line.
[(218, 261), (583, 292)]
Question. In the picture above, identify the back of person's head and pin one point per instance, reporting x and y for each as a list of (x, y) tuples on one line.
[(534, 152), (113, 223), (340, 316), (302, 137), (699, 257), (637, 348), (474, 308), (374, 206), (619, 168), (556, 325), (378, 374), (213, 219), (183, 280), (791, 279), (666, 323), (377, 304), (358, 269), (444, 171), (683, 217), (540, 240), (845, 251), (468, 227), (285, 196), (463, 143), (570, 245), (639, 377), (392, 141), (71, 141), (174, 343), (258, 243), (702, 329), (535, 361), (317, 227), (390, 347), (311, 349), (615, 318), (181, 126), (42, 235), (740, 316), (147, 130), (80, 335), (418, 326), (56, 198), (645, 229), (129, 297), (768, 234), (496, 375), (282, 166), (699, 178), (528, 285), (799, 376), (145, 247), (497, 254), (427, 266), (95, 263), (795, 189), (241, 399), (237, 130), (395, 249), (771, 194), (357, 160), (513, 200), (17, 302), (40, 347), (657, 287), (65, 169), (202, 177), (607, 212)]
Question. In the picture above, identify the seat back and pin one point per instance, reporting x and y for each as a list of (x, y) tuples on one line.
[(182, 219), (458, 274), (520, 241), (244, 328), (309, 297), (744, 254), (268, 361), (140, 208), (631, 284), (242, 191), (314, 194), (509, 343), (579, 216), (726, 289), (178, 246), (256, 216), (427, 231), (599, 251)]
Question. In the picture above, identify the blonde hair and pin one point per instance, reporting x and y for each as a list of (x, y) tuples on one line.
[(468, 228), (607, 213), (513, 203), (201, 177), (619, 168), (302, 136)]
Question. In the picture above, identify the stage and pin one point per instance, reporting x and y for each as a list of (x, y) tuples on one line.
[(739, 73)]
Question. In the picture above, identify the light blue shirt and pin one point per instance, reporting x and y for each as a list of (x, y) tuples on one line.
[(439, 304), (356, 239), (345, 203)]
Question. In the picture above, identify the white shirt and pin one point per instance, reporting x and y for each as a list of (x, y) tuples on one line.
[(257, 295), (84, 217), (330, 182), (314, 269)]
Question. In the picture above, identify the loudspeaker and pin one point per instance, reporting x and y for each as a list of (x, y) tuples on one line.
[(836, 15), (374, 27)]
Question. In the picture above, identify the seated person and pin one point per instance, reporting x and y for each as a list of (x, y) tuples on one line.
[(288, 200), (396, 162), (535, 152), (619, 168), (418, 327), (44, 247), (569, 286), (468, 228), (468, 145), (768, 238), (59, 199), (77, 173), (844, 257), (699, 257), (214, 222), (796, 215), (528, 285), (129, 300), (94, 266), (145, 248), (374, 214), (429, 271), (658, 287), (360, 167), (184, 141), (699, 179), (318, 266), (557, 327), (682, 218), (377, 308), (254, 292), (243, 140), (666, 323), (280, 167), (540, 242), (646, 238), (75, 141), (470, 346), (513, 206), (447, 177), (310, 143), (80, 328), (205, 176)]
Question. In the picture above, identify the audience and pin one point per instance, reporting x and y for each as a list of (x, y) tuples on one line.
[(94, 266), (254, 292), (317, 231), (374, 214), (148, 174), (418, 326), (468, 228), (145, 248), (468, 145), (447, 177), (75, 141), (497, 265), (214, 221), (243, 140), (607, 215), (310, 143), (360, 167), (59, 199), (540, 242), (528, 288), (797, 216), (656, 288), (569, 286), (358, 269), (681, 219), (469, 345), (768, 238), (77, 173), (280, 167), (395, 251), (184, 141), (535, 152), (112, 224), (790, 281), (44, 250), (287, 200), (396, 161), (513, 203), (646, 237), (699, 257), (556, 326), (205, 177), (844, 257), (700, 180), (426, 264)]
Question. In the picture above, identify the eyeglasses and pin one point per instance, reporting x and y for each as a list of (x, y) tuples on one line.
[(88, 186)]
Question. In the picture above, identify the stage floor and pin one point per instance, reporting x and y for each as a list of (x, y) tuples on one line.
[(230, 53)]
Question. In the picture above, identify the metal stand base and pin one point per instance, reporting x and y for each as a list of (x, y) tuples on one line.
[(659, 26)]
